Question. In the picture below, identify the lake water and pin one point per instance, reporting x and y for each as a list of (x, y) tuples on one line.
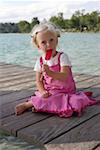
[(83, 50)]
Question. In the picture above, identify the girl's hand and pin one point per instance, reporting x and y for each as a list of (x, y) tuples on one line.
[(45, 68), (46, 94)]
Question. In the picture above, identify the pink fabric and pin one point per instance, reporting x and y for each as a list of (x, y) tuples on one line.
[(64, 100)]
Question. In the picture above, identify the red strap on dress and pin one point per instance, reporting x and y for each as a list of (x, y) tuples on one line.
[(41, 61)]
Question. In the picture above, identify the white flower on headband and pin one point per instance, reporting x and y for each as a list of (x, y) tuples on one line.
[(45, 26)]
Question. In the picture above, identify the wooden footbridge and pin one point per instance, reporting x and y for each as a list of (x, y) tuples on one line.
[(47, 131)]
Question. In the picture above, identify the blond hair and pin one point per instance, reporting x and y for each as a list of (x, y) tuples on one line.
[(42, 27)]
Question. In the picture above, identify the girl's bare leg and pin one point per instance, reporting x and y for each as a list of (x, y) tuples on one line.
[(20, 108)]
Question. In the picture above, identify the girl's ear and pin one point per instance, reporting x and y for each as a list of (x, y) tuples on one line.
[(38, 46)]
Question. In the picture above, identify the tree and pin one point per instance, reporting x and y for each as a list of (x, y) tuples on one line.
[(80, 21), (34, 22), (58, 20), (8, 28), (75, 22), (24, 26)]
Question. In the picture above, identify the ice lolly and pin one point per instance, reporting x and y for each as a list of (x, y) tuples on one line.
[(48, 54)]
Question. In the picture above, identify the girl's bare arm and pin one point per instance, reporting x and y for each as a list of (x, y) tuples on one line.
[(40, 86), (62, 75), (39, 83)]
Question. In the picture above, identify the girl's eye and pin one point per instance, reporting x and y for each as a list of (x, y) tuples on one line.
[(51, 40), (43, 42)]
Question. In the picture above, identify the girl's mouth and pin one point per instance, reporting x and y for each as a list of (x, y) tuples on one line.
[(48, 54)]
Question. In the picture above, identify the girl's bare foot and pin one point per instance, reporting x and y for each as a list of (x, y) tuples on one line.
[(20, 108)]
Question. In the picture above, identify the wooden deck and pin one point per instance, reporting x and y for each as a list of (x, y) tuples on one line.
[(17, 84)]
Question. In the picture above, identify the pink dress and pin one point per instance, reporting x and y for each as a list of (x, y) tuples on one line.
[(64, 100)]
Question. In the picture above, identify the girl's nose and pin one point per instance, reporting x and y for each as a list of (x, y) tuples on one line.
[(48, 44)]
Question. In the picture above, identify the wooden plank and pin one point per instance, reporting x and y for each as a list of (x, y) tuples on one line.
[(19, 87), (10, 123), (2, 63), (11, 91), (16, 81), (17, 123), (89, 83), (96, 90), (15, 70), (8, 108), (14, 96), (86, 83), (8, 117), (82, 77), (5, 66), (98, 147), (4, 92), (16, 74), (73, 146), (86, 132), (55, 126), (12, 67), (14, 85)]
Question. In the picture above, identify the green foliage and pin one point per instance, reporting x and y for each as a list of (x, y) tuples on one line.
[(34, 22), (59, 21), (79, 22), (24, 27), (8, 27)]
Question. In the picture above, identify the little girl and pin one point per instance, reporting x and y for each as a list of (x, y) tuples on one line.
[(56, 87)]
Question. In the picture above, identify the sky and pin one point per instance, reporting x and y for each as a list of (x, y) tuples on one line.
[(17, 10)]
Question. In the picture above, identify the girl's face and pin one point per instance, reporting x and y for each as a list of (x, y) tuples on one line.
[(47, 40)]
